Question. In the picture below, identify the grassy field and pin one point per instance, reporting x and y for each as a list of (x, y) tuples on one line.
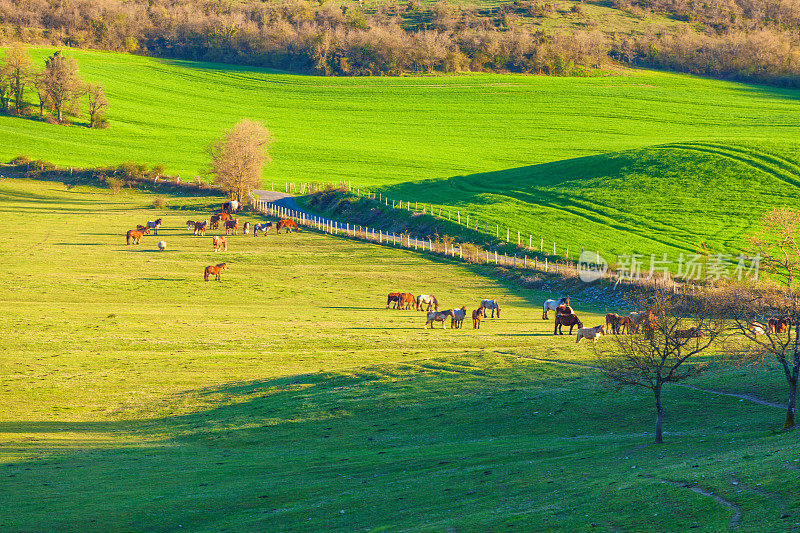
[(137, 397), (643, 162)]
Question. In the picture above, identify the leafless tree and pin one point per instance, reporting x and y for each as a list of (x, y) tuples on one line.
[(62, 84), (673, 330), (98, 103), (768, 314), (238, 158), (18, 70), (5, 92), (41, 90)]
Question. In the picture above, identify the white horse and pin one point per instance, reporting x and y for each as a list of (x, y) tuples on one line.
[(429, 300), (550, 305), (438, 316), (493, 305)]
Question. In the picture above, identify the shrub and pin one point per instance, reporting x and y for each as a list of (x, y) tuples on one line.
[(159, 202), (21, 159), (115, 184)]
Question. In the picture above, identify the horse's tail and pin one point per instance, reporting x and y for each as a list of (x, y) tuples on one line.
[(435, 302), (128, 238), (419, 301), (205, 274)]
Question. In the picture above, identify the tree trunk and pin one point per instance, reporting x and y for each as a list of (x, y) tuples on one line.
[(659, 415), (790, 422)]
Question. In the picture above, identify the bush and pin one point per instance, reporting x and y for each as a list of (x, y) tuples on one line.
[(159, 203), (115, 184), (21, 159)]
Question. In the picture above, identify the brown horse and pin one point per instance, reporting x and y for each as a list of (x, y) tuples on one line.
[(477, 315), (617, 324), (691, 333), (647, 320), (438, 316), (200, 228), (220, 243), (393, 297), (407, 301), (232, 226), (135, 234), (216, 270), (566, 320), (779, 325), (246, 228), (287, 223)]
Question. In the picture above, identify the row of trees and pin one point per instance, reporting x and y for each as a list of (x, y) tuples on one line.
[(58, 88), (756, 40), (731, 322)]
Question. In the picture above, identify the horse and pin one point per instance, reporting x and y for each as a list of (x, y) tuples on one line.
[(189, 225), (407, 301), (429, 300), (779, 325), (491, 304), (438, 316), (755, 329), (551, 305), (615, 323), (624, 324), (591, 334), (458, 317), (266, 226), (219, 243), (135, 234), (566, 320), (393, 297), (232, 226), (200, 228), (287, 223), (477, 315), (162, 245), (139, 227), (246, 228), (216, 270), (231, 207), (645, 319), (691, 333), (154, 225)]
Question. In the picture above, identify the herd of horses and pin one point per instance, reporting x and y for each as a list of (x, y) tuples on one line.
[(429, 304), (219, 242)]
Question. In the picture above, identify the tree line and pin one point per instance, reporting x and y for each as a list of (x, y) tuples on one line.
[(58, 87)]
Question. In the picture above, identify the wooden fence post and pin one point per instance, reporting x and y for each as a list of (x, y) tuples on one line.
[(508, 235), (541, 245)]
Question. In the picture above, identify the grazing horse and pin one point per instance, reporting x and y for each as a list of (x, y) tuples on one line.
[(477, 315), (491, 304), (231, 207), (779, 325), (591, 334), (220, 243), (429, 300), (189, 225), (135, 234), (552, 305), (139, 227), (692, 333), (756, 329), (154, 225), (614, 323), (566, 320), (266, 226), (458, 317), (287, 223), (393, 297), (246, 228), (624, 324), (200, 228), (214, 221), (646, 319), (216, 270), (438, 316), (407, 301), (232, 226)]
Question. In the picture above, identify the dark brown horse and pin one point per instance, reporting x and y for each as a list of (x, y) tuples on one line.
[(570, 320), (135, 234), (232, 226), (246, 228), (214, 269), (287, 223), (393, 297), (200, 228), (780, 325)]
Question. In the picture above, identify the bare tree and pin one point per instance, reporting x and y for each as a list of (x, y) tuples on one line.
[(41, 91), (238, 158), (5, 92), (97, 104), (18, 70), (62, 84), (672, 330), (768, 315)]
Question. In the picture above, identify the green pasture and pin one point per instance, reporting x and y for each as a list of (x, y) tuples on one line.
[(137, 397)]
